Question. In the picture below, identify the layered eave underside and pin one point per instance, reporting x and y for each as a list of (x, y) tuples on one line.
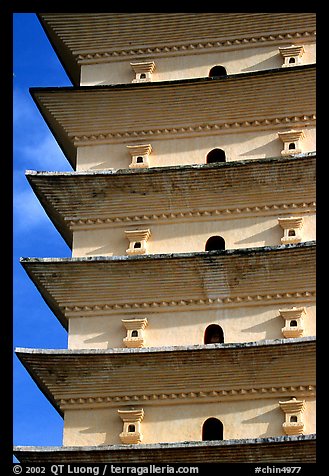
[(81, 286), (134, 112), (282, 449), (71, 198), (140, 376), (108, 36)]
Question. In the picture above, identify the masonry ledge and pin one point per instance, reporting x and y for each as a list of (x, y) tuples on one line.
[(124, 350), (145, 170), (181, 444), (235, 251)]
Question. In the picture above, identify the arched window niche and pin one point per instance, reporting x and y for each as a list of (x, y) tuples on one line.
[(215, 155), (214, 334), (215, 243), (217, 71), (212, 429)]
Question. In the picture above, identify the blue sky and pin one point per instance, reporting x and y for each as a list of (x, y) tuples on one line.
[(36, 422)]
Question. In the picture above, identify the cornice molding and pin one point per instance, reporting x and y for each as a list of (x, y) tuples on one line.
[(186, 397), (185, 48), (196, 130), (102, 309), (215, 214)]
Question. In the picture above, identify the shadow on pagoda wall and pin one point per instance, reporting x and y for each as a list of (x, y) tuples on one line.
[(270, 236), (197, 233), (272, 420), (274, 61), (100, 251), (233, 61), (269, 329), (263, 150)]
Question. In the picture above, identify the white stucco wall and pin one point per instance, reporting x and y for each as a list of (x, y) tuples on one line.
[(245, 145), (181, 237), (188, 66), (176, 327), (174, 423)]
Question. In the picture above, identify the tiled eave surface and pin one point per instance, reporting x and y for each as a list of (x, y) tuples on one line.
[(87, 285), (128, 113), (152, 195), (179, 374), (281, 449), (94, 38)]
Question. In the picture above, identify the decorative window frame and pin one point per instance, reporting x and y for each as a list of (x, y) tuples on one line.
[(131, 417), (134, 325), (294, 314), (143, 71), (291, 229), (139, 155), (289, 53), (293, 410), (139, 237), (289, 138)]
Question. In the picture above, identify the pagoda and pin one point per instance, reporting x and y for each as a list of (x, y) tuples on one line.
[(189, 299)]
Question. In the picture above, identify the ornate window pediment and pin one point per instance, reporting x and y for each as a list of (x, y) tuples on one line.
[(137, 241), (131, 433), (292, 227), (291, 142), (139, 155), (143, 71), (293, 410), (293, 321), (135, 332), (292, 55)]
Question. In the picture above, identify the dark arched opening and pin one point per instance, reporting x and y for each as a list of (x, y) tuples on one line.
[(212, 429), (217, 71), (215, 155), (215, 243), (214, 334)]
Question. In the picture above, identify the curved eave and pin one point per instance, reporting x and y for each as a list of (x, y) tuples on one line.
[(106, 195), (278, 449), (57, 131), (167, 370), (52, 210), (65, 283), (154, 34), (63, 53), (115, 112)]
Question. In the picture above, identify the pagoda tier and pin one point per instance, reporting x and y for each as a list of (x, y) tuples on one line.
[(114, 39), (134, 284), (122, 115), (129, 198), (280, 449), (180, 375), (189, 299)]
